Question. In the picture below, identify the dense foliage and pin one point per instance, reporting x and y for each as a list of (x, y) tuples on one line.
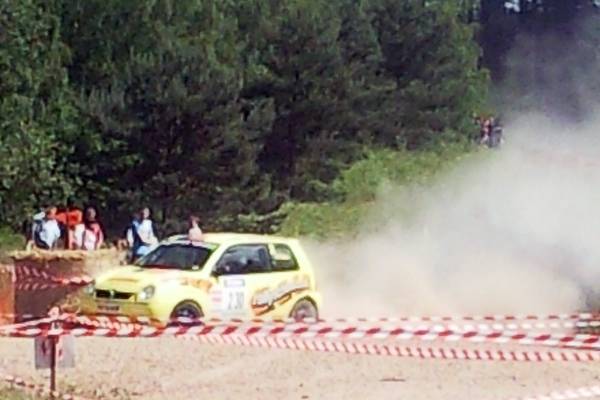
[(224, 108)]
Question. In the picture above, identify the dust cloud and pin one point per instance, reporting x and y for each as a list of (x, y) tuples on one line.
[(515, 230)]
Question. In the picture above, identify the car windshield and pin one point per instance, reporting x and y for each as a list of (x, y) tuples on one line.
[(175, 256)]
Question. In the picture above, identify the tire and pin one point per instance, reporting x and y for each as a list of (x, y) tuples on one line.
[(304, 309), (187, 309)]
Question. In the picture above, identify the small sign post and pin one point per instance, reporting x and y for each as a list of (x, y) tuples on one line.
[(53, 340), (54, 351)]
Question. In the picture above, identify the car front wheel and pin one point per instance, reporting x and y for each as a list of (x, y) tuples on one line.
[(187, 309), (304, 309)]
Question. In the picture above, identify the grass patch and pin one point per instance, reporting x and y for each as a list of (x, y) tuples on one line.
[(9, 241), (14, 394), (357, 189)]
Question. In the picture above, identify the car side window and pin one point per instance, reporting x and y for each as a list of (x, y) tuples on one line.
[(283, 258), (244, 259)]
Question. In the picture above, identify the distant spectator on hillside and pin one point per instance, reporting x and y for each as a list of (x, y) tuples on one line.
[(496, 134), (485, 131), (89, 235), (194, 232), (45, 232)]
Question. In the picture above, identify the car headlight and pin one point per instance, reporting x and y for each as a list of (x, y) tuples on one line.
[(147, 293), (89, 289)]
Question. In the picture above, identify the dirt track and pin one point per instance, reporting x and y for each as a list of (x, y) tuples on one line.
[(168, 368)]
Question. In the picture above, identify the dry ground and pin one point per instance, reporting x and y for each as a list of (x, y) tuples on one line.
[(169, 368)]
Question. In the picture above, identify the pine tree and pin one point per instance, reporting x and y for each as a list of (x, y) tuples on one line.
[(179, 137), (300, 65), (431, 54), (36, 111)]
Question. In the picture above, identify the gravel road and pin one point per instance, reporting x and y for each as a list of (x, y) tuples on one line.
[(170, 368)]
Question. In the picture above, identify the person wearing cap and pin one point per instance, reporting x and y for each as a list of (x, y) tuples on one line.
[(46, 231)]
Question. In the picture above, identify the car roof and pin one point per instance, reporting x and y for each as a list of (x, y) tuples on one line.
[(232, 238)]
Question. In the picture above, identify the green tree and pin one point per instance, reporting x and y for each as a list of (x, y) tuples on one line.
[(177, 134), (37, 112), (309, 63), (432, 55)]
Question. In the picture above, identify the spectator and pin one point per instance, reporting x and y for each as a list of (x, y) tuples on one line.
[(89, 235), (496, 134), (484, 133), (133, 239), (142, 234), (70, 219), (131, 234), (46, 231), (194, 232), (37, 220)]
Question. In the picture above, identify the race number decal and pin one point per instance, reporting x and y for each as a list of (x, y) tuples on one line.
[(234, 300), (233, 295)]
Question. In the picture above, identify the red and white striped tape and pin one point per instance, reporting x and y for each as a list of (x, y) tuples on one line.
[(37, 389), (326, 332), (471, 318), (29, 324), (27, 273), (442, 353), (482, 322), (51, 283), (23, 271), (108, 321), (581, 393), (36, 286), (527, 322)]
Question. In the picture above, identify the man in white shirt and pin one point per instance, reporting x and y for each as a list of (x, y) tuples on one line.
[(47, 231)]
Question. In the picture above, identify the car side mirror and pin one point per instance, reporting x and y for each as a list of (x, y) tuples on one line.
[(217, 271)]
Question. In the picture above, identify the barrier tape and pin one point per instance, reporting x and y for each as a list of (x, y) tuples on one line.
[(74, 281), (23, 272), (36, 286), (397, 351), (37, 389), (328, 332), (54, 283), (542, 321), (27, 272), (110, 321), (29, 324), (510, 322), (586, 392)]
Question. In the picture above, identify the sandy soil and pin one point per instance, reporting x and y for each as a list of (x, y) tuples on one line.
[(170, 368)]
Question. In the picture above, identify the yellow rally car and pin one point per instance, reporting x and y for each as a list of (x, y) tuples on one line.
[(225, 276)]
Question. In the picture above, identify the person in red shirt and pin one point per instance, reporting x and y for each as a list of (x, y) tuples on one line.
[(89, 235), (70, 219)]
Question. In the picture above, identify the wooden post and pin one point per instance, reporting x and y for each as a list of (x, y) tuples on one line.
[(53, 340), (53, 350)]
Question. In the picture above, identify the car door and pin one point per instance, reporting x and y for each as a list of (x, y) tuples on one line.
[(276, 296), (239, 272)]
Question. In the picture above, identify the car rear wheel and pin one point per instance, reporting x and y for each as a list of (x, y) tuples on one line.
[(304, 309), (187, 309)]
